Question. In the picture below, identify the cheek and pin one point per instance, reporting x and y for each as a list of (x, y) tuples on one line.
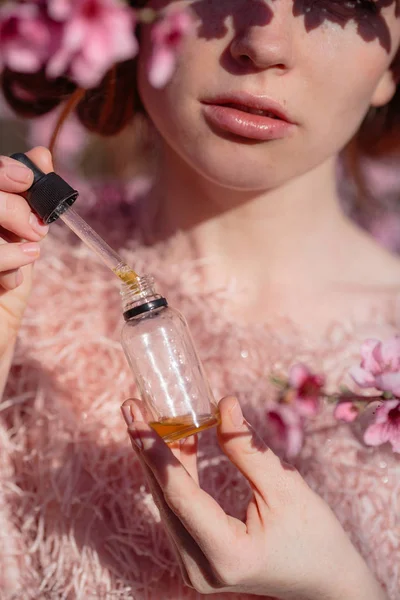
[(340, 82), (174, 109)]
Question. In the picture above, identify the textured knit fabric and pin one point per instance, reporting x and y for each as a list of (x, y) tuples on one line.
[(76, 518)]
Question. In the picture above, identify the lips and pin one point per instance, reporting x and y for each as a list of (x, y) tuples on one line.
[(252, 111), (248, 116), (252, 104)]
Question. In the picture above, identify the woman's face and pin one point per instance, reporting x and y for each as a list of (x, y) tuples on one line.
[(317, 65)]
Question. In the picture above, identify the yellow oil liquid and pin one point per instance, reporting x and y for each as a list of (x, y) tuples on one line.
[(127, 275), (177, 428)]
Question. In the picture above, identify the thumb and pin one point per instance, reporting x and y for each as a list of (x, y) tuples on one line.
[(249, 453)]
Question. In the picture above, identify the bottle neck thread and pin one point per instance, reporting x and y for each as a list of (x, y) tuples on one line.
[(140, 298)]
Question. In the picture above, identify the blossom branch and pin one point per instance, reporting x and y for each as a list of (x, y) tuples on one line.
[(300, 397)]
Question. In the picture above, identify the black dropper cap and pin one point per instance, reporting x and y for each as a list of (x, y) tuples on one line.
[(49, 196)]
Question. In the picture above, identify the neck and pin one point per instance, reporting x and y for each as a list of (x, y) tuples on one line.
[(280, 235)]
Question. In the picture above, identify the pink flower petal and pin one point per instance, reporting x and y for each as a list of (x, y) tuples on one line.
[(384, 409), (390, 352), (376, 434), (27, 36), (295, 440), (97, 34), (57, 65), (307, 406), (60, 10), (167, 36), (22, 60), (345, 411), (298, 375), (285, 429), (161, 67), (371, 357), (362, 377), (388, 382), (386, 426)]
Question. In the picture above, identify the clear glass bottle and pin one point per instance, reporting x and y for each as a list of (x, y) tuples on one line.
[(164, 361)]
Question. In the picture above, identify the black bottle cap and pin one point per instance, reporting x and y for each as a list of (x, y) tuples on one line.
[(49, 195)]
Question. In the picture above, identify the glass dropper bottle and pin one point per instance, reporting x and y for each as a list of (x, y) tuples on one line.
[(156, 338)]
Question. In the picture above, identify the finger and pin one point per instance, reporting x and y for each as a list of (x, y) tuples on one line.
[(199, 513), (42, 158), (181, 540), (186, 452), (13, 256), (249, 453), (11, 279), (15, 177), (188, 553), (16, 217), (194, 565)]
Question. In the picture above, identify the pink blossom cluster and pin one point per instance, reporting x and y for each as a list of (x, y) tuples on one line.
[(301, 397), (83, 39)]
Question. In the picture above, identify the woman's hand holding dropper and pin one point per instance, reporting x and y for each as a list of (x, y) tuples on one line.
[(20, 234), (290, 546)]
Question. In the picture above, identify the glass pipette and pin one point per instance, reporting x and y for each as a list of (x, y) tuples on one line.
[(51, 197)]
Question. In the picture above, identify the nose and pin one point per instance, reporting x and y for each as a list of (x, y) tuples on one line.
[(268, 45)]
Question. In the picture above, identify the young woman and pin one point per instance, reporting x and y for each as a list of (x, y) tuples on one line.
[(243, 232)]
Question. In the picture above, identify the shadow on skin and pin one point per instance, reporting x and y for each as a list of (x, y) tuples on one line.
[(367, 14), (213, 14), (159, 454)]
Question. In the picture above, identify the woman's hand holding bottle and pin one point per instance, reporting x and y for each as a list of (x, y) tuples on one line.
[(20, 234), (290, 545)]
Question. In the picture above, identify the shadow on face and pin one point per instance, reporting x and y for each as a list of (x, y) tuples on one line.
[(367, 15)]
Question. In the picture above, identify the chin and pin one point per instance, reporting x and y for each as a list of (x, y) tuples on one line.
[(235, 167), (241, 178)]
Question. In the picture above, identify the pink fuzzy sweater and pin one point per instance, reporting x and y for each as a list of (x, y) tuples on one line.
[(76, 519)]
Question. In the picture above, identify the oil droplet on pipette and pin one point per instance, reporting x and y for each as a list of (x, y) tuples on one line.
[(176, 428), (127, 275)]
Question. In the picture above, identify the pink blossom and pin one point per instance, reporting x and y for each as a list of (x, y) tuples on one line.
[(346, 411), (285, 428), (166, 37), (59, 10), (27, 37), (97, 34), (380, 366), (386, 426), (305, 389)]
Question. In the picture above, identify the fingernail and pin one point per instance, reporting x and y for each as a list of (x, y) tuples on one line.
[(126, 412), (31, 249), (37, 225), (136, 437), (236, 415), (19, 173)]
